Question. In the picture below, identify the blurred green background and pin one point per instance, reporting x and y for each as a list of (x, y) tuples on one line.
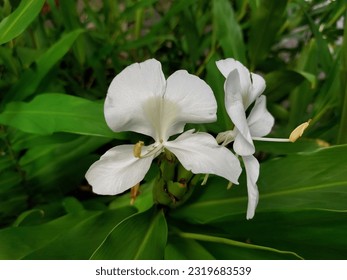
[(57, 59)]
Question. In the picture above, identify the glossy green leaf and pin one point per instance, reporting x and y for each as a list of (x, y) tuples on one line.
[(55, 112), (18, 21), (141, 236), (312, 180), (313, 234), (16, 242), (81, 240)]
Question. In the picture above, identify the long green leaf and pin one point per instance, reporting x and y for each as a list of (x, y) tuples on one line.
[(313, 234), (228, 31), (141, 236), (83, 238), (186, 249), (314, 180), (16, 242), (18, 21), (225, 248), (55, 112)]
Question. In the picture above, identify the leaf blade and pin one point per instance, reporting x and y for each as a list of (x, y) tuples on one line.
[(127, 237), (57, 112), (13, 25)]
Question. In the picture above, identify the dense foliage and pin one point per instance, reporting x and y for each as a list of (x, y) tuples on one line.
[(57, 59)]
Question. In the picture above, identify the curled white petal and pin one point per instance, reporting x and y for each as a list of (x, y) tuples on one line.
[(200, 153), (252, 173), (258, 87), (225, 66), (260, 121), (127, 94), (118, 170), (235, 107)]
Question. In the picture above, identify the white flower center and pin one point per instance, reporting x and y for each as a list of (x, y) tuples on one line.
[(162, 114)]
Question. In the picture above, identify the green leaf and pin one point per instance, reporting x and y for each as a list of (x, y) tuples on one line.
[(266, 21), (225, 248), (16, 242), (66, 171), (228, 31), (73, 236), (18, 21), (28, 216), (313, 234), (216, 80), (141, 236), (280, 83), (55, 112), (325, 58), (31, 79), (186, 249), (80, 240), (312, 180)]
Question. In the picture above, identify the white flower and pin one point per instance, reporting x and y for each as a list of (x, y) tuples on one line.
[(139, 99), (242, 88)]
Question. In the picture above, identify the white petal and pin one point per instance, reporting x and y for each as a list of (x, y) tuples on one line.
[(200, 153), (260, 121), (236, 111), (258, 87), (252, 172), (242, 146), (194, 99), (127, 94), (117, 170), (227, 65), (251, 85)]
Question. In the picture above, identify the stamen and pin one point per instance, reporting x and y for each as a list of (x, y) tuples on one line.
[(137, 149), (297, 132), (230, 184), (152, 150)]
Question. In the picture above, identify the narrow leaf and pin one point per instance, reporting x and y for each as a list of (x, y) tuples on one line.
[(18, 21), (303, 181), (228, 31)]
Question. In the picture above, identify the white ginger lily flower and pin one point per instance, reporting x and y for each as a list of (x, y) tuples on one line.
[(242, 88), (139, 99)]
